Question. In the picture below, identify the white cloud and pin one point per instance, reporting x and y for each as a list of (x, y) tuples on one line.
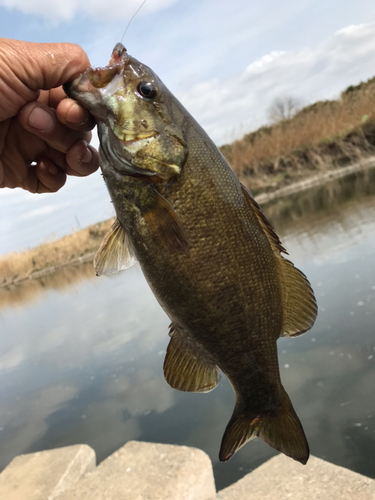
[(310, 74), (258, 65), (97, 9)]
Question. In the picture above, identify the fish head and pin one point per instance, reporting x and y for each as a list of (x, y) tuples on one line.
[(138, 135)]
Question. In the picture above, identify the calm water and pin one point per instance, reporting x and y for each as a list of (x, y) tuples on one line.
[(81, 357)]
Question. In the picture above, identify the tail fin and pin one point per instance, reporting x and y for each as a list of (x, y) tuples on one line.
[(283, 432)]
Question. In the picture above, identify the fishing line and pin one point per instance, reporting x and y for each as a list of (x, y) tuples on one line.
[(136, 12)]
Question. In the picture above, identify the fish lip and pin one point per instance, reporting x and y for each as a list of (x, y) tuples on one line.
[(123, 168), (119, 54), (83, 83), (133, 171), (118, 164), (89, 81)]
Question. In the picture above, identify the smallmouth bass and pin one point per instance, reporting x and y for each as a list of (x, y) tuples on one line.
[(205, 247)]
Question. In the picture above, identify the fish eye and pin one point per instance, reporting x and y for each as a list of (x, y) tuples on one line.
[(146, 90)]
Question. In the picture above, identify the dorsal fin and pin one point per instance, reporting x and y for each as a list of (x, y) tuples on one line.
[(266, 225), (185, 366), (299, 304), (115, 252)]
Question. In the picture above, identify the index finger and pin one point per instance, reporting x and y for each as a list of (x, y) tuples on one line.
[(70, 113), (43, 65)]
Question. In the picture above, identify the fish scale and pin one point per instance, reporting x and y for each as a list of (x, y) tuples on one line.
[(208, 252)]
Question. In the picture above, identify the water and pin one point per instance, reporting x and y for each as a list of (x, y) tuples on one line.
[(81, 357)]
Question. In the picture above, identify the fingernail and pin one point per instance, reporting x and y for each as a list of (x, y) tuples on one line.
[(87, 157), (40, 119), (52, 169), (48, 167), (76, 115)]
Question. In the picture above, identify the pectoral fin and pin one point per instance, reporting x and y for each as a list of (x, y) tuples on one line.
[(115, 252), (299, 304), (185, 368), (163, 221)]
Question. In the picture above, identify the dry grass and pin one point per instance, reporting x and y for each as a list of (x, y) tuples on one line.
[(304, 141), (18, 266)]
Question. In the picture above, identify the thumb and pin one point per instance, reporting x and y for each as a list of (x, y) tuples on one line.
[(43, 65)]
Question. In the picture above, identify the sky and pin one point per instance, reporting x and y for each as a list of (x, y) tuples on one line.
[(225, 61)]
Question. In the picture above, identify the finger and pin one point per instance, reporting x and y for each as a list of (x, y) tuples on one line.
[(44, 97), (2, 174), (52, 97), (30, 180), (74, 116), (51, 177), (41, 120), (45, 177), (44, 65), (55, 96), (82, 159), (56, 157)]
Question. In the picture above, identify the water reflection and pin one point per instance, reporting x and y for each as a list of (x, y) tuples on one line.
[(83, 362), (346, 204), (31, 290)]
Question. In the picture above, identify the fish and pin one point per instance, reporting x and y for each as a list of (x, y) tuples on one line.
[(208, 252)]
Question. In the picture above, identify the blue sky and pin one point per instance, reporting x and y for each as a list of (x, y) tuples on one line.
[(226, 61)]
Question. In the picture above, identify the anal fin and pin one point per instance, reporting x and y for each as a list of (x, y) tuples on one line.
[(185, 368), (115, 252)]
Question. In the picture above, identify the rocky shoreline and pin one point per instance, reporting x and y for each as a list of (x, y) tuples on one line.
[(151, 471)]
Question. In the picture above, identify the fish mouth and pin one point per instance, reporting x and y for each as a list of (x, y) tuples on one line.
[(124, 166), (94, 79), (91, 82), (94, 90), (137, 140), (134, 141)]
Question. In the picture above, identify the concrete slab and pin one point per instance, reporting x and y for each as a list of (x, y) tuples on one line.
[(148, 471), (45, 475), (284, 479)]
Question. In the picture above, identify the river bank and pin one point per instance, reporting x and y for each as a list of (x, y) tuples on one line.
[(319, 137), (75, 248), (81, 246)]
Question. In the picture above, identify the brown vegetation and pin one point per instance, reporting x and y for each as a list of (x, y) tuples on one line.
[(321, 136), (16, 267)]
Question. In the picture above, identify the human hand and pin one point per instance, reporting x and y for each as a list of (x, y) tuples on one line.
[(44, 136)]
